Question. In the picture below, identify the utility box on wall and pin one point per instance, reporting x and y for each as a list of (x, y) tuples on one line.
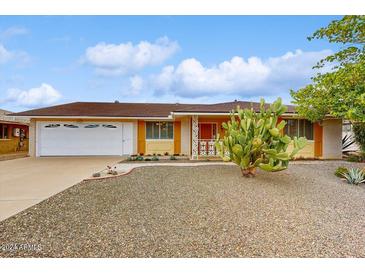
[(16, 132)]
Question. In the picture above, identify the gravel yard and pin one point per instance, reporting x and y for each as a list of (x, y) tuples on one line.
[(205, 211)]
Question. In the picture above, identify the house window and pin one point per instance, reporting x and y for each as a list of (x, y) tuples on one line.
[(299, 128), (159, 130), (4, 131)]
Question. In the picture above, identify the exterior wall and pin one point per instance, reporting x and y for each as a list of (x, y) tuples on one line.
[(318, 140), (185, 136), (135, 137), (10, 145), (32, 138), (332, 139), (159, 147), (141, 137), (150, 147), (177, 137), (306, 152)]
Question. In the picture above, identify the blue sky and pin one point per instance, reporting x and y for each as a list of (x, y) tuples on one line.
[(47, 60)]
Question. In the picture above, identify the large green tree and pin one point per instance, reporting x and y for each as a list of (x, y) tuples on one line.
[(340, 91)]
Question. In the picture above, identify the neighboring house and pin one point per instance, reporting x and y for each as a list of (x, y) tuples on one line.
[(14, 133), (85, 128)]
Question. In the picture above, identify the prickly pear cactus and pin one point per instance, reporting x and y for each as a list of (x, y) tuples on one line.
[(254, 139)]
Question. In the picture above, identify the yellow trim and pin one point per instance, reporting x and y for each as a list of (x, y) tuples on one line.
[(177, 137), (141, 136)]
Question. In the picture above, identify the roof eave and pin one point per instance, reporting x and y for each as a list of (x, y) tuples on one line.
[(95, 117)]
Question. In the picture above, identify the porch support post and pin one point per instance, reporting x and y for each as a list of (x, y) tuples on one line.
[(194, 137)]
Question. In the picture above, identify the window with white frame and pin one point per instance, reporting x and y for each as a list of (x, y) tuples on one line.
[(159, 130), (299, 128)]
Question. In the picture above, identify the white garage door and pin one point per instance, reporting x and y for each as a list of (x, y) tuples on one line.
[(73, 139)]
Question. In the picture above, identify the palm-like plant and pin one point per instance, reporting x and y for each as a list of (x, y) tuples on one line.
[(354, 176), (347, 141)]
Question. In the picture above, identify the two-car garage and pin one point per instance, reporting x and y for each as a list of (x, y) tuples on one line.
[(59, 138)]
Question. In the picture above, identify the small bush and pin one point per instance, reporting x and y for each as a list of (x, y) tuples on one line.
[(340, 171), (97, 174), (159, 154), (154, 158), (176, 154), (147, 159), (173, 158), (139, 158), (166, 154), (355, 176), (114, 172), (130, 159), (354, 158)]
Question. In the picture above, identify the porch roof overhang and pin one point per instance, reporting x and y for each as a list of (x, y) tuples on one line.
[(286, 114)]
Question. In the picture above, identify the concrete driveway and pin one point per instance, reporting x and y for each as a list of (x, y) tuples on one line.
[(27, 181)]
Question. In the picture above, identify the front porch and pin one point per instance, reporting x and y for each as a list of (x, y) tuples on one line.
[(204, 131)]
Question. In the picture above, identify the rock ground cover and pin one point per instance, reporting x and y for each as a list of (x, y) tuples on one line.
[(203, 211)]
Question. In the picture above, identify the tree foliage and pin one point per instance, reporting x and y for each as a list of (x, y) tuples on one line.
[(255, 139), (359, 132), (341, 91)]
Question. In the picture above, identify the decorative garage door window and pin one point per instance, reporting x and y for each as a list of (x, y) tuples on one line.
[(70, 126), (52, 125), (109, 126), (159, 130), (92, 126)]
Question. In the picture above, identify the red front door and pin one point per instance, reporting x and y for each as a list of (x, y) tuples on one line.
[(205, 131)]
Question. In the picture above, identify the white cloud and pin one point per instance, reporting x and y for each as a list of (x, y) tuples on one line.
[(13, 31), (136, 85), (35, 97), (250, 77), (5, 55), (112, 59), (21, 57)]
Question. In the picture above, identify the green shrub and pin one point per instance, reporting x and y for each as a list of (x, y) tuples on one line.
[(147, 159), (139, 158), (155, 158), (354, 176), (355, 158), (97, 174), (173, 158), (340, 171), (359, 133)]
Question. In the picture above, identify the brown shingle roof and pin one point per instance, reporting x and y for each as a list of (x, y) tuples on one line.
[(97, 109)]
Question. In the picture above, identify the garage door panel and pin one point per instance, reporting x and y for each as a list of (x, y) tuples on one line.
[(78, 139)]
